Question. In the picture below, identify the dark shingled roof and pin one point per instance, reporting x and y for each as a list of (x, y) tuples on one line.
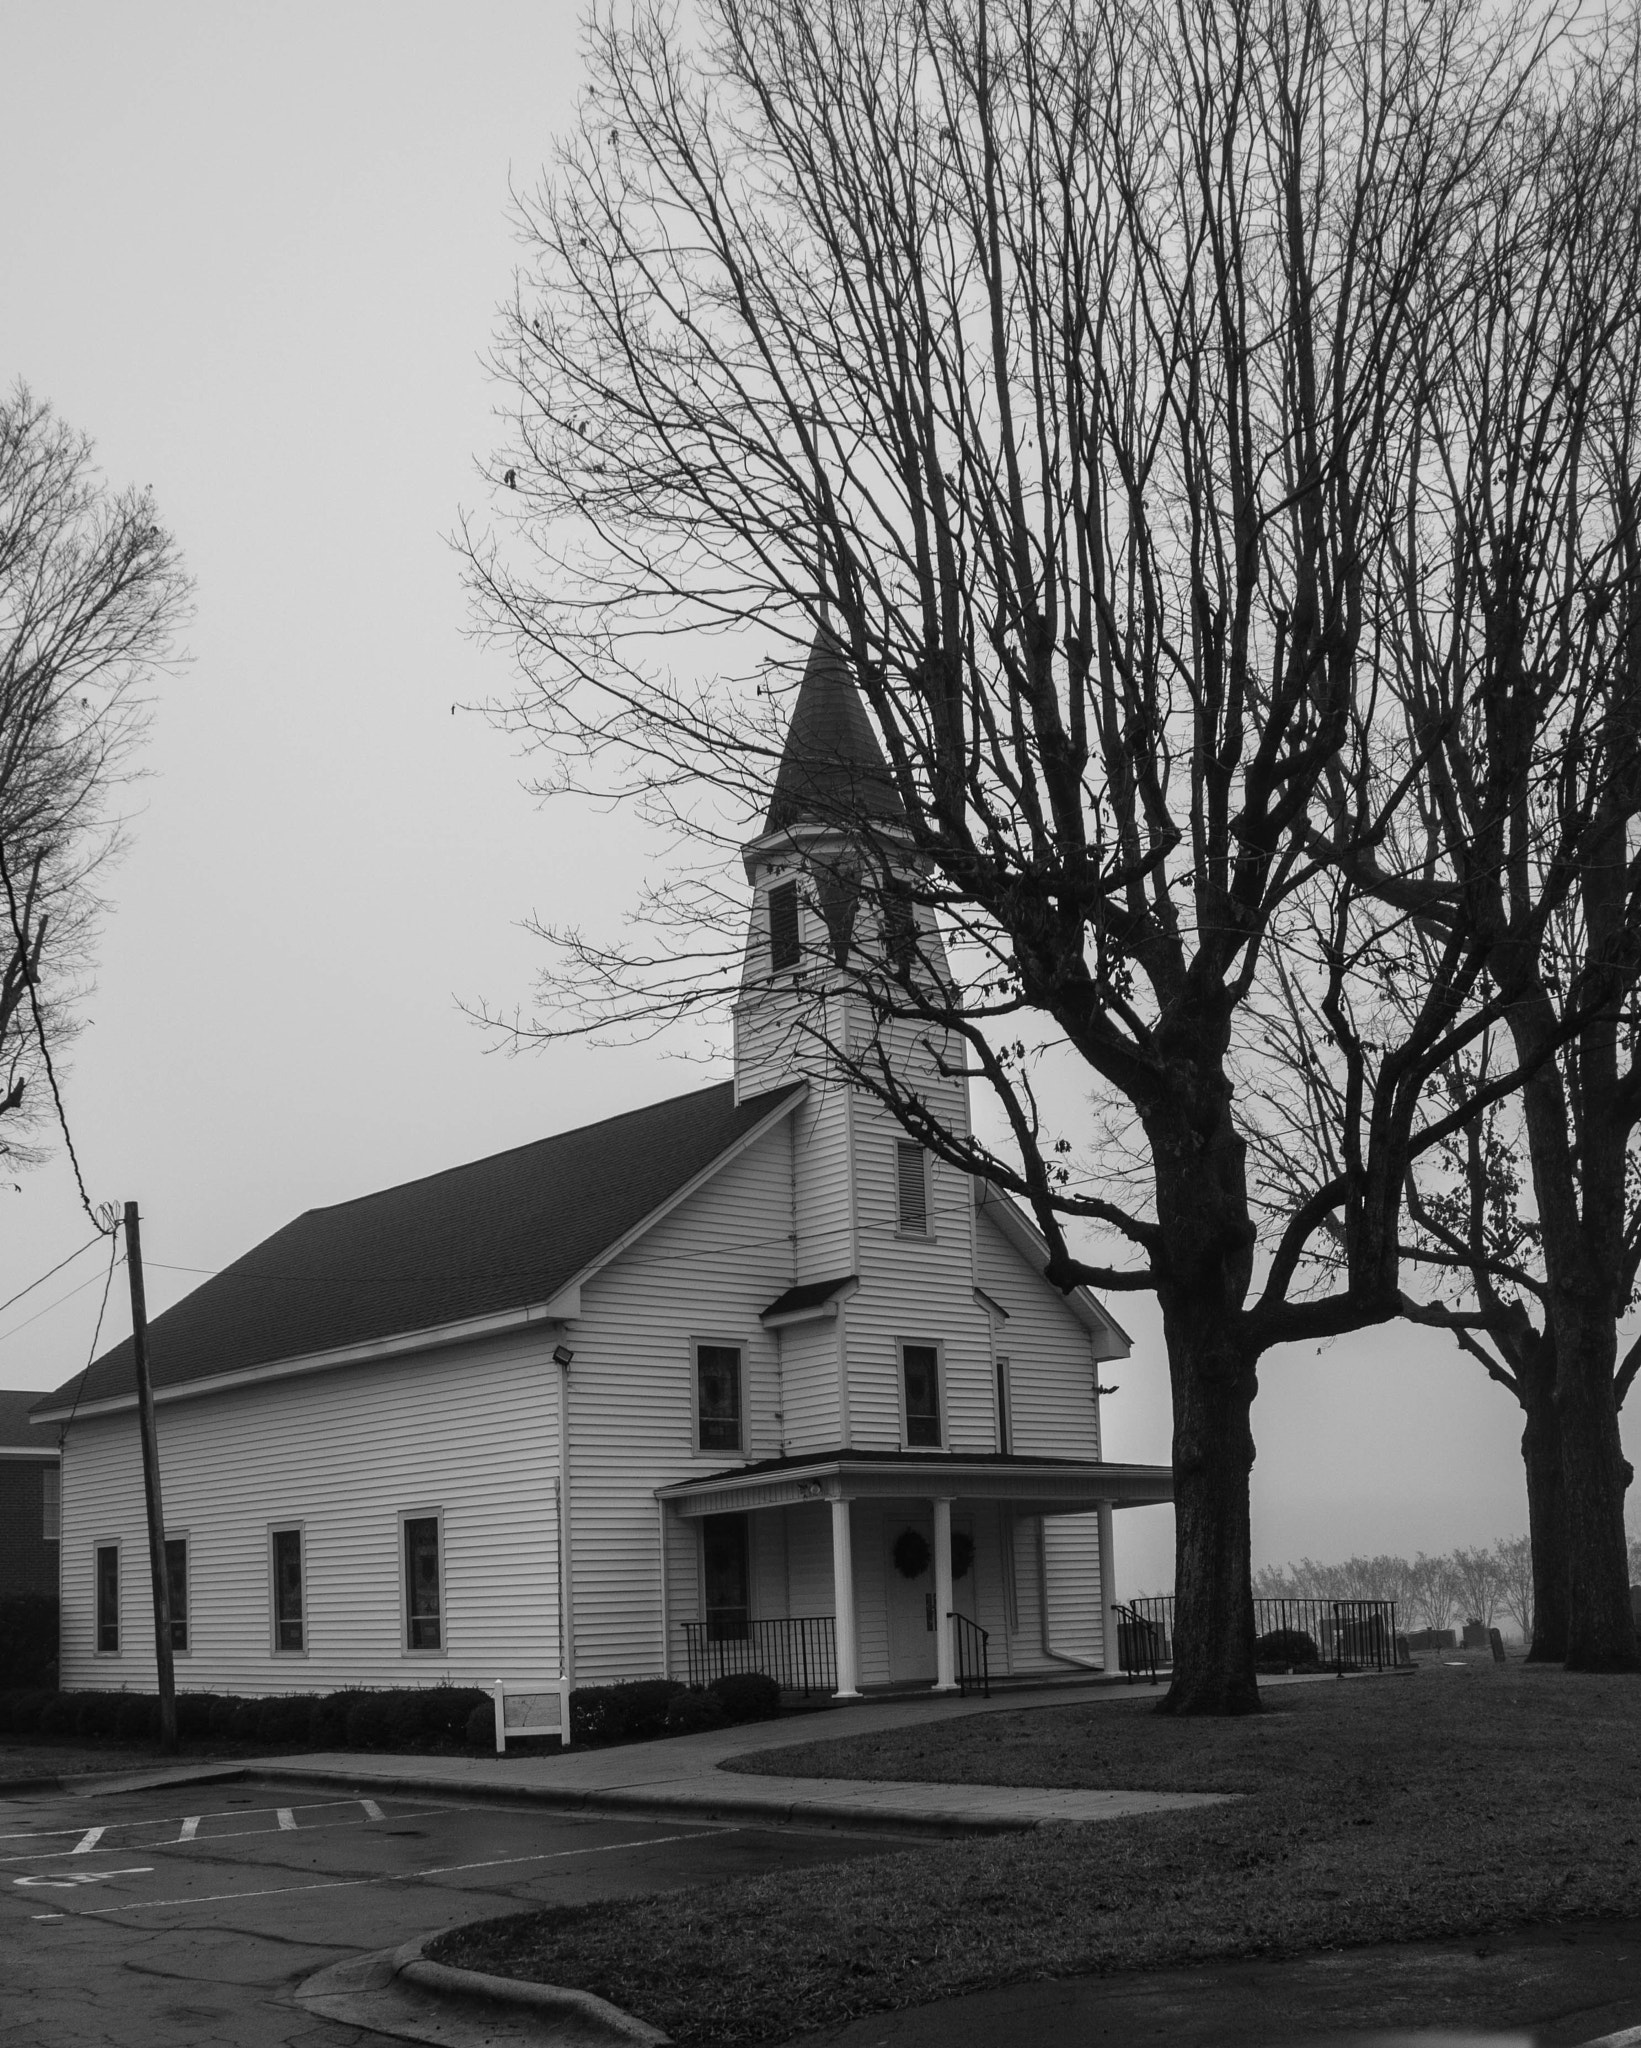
[(807, 1294), (503, 1233), (18, 1433), (832, 770)]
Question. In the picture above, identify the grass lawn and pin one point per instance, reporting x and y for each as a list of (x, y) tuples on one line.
[(1379, 1809)]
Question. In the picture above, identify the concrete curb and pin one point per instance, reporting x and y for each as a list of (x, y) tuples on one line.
[(399, 1992)]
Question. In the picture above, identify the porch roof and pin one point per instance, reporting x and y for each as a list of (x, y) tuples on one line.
[(1043, 1486)]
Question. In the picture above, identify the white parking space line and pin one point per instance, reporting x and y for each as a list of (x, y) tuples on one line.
[(155, 1834), (348, 1884)]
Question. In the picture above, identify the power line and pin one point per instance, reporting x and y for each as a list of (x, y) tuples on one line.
[(29, 980), (28, 1322), (44, 1277), (91, 1355)]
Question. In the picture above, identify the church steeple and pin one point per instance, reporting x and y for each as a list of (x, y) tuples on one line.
[(832, 771)]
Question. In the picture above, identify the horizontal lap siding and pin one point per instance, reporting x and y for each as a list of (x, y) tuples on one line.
[(345, 1452), (822, 1204), (1051, 1368), (809, 1376), (915, 1289), (703, 1272), (1071, 1567)]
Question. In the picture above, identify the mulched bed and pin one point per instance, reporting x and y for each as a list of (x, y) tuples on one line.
[(1445, 1803)]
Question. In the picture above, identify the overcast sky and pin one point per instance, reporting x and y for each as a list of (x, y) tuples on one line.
[(254, 252)]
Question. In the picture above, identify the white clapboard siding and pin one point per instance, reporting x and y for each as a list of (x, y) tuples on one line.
[(469, 1434), (823, 1195), (1071, 1587), (1051, 1367), (703, 1272), (810, 1379), (919, 1290)]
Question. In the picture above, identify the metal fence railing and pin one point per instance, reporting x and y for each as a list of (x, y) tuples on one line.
[(1341, 1635), (799, 1653), (973, 1660)]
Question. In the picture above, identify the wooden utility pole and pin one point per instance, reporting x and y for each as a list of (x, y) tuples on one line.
[(163, 1660)]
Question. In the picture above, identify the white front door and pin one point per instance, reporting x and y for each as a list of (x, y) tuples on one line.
[(912, 1643)]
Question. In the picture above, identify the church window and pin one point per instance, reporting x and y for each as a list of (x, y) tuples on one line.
[(290, 1620), (911, 1189), (920, 1378), (176, 1587), (784, 947), (1005, 1408), (424, 1615), (108, 1599), (718, 1397)]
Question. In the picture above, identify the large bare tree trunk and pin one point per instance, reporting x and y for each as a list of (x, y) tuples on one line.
[(1600, 1625), (1546, 1506), (1208, 1239), (1214, 1386)]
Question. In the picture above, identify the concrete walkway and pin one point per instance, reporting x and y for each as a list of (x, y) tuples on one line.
[(680, 1774)]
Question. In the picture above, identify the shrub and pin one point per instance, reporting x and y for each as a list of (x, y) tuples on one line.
[(28, 1640), (691, 1711), (58, 1714), (1285, 1647), (328, 1726), (95, 1714), (219, 1721), (367, 1720), (26, 1708), (404, 1719), (244, 1721), (747, 1696), (621, 1713), (447, 1709), (480, 1728), (284, 1717), (194, 1711), (137, 1718)]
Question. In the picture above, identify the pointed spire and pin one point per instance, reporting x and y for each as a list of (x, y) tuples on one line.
[(832, 770)]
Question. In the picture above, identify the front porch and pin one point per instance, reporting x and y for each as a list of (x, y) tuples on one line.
[(859, 1571)]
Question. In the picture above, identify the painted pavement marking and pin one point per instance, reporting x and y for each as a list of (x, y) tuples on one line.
[(346, 1884), (88, 1841)]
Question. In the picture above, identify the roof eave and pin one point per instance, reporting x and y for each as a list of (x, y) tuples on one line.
[(1111, 1340)]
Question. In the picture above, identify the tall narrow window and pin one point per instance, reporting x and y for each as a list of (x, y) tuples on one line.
[(920, 1365), (290, 1623), (108, 1598), (423, 1614), (51, 1503), (176, 1584), (718, 1396), (784, 948), (1005, 1419), (911, 1188), (725, 1567)]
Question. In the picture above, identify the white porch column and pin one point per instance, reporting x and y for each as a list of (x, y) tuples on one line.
[(1109, 1637), (843, 1603), (945, 1664)]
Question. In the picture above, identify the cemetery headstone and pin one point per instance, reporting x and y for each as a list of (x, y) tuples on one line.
[(1497, 1642)]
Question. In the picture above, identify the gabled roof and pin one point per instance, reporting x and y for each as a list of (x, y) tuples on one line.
[(508, 1233), (19, 1437), (832, 771)]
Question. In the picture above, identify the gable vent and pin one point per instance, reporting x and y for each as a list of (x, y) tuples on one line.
[(912, 1187)]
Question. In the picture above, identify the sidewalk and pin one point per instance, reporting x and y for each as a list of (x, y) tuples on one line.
[(680, 1775)]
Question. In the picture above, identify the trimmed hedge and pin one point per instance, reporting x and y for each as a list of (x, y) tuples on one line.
[(393, 1719), (28, 1640)]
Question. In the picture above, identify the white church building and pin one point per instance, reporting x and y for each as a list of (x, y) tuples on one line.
[(744, 1380)]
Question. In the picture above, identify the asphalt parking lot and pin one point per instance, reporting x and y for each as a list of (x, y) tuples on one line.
[(189, 1915)]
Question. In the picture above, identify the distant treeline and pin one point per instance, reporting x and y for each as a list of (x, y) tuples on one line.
[(1430, 1592)]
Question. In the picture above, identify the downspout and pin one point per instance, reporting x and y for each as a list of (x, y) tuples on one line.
[(566, 1576)]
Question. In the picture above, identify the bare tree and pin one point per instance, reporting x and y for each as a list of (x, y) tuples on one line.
[(1057, 359), (1517, 1582), (91, 594), (1514, 559)]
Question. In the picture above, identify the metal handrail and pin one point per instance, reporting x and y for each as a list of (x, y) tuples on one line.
[(973, 1659), (1137, 1642), (798, 1651), (1345, 1635)]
